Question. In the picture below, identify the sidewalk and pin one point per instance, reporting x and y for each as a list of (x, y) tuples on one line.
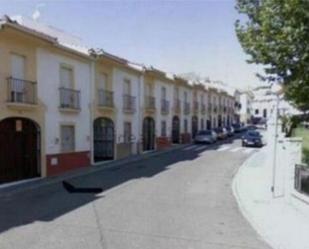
[(278, 222)]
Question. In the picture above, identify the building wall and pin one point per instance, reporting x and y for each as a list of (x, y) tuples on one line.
[(13, 42), (119, 75), (48, 74)]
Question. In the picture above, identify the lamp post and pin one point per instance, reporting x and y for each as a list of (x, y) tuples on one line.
[(276, 88)]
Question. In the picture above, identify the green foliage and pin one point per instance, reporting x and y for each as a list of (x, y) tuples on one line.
[(275, 33), (304, 134)]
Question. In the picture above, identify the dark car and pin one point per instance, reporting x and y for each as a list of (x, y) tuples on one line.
[(252, 138), (221, 132), (237, 128)]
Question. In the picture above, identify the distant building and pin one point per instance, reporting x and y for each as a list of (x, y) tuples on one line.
[(246, 98)]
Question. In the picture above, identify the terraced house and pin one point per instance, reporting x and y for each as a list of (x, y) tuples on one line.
[(64, 106)]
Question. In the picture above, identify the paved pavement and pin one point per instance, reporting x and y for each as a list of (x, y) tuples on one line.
[(182, 199)]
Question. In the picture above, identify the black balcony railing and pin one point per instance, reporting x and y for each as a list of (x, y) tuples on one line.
[(69, 98), (186, 108), (129, 103), (165, 106), (150, 102), (22, 91), (106, 98), (177, 105)]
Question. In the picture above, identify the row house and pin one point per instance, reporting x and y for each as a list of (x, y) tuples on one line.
[(64, 107)]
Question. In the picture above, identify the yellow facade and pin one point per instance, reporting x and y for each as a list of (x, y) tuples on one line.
[(14, 42)]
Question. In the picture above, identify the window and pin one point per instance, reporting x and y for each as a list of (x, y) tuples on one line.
[(127, 87), (176, 90), (102, 81), (256, 111), (18, 63), (127, 132), (202, 124), (17, 86), (265, 113), (163, 128), (185, 96), (148, 90), (185, 126), (67, 138), (163, 92), (66, 77)]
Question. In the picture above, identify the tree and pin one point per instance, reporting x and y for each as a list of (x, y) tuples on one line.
[(275, 34)]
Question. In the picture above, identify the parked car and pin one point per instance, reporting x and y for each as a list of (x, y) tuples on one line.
[(221, 132), (251, 127), (205, 136), (230, 131), (237, 128), (252, 138)]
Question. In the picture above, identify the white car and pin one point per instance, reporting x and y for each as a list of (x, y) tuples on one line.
[(205, 136)]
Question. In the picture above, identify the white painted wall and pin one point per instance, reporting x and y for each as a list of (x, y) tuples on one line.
[(48, 65), (159, 117), (119, 75)]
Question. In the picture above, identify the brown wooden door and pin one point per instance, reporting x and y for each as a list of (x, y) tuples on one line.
[(19, 150)]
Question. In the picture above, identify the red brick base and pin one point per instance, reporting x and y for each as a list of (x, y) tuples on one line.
[(163, 143), (61, 163), (185, 138)]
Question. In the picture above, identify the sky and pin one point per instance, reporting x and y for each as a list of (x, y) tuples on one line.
[(174, 36)]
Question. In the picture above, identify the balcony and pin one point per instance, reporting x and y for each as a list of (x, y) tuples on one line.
[(21, 92), (186, 108), (195, 106), (150, 103), (165, 106), (69, 99), (106, 99), (129, 103), (177, 105)]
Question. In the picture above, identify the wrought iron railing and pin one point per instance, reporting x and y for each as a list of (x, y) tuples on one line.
[(69, 98), (129, 103), (22, 91), (106, 98)]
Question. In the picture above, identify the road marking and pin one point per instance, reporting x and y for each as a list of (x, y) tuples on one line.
[(190, 147), (248, 150), (201, 148), (223, 148), (236, 149)]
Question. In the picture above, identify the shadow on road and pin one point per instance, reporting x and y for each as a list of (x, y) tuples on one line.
[(46, 203)]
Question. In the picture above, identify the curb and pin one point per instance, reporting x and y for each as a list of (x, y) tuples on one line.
[(44, 182), (247, 215)]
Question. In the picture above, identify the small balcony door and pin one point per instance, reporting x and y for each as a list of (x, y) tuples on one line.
[(66, 77), (18, 68), (102, 81)]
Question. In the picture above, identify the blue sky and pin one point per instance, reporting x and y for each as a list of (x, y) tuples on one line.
[(174, 36)]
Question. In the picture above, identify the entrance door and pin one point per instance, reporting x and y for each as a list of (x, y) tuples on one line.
[(148, 134), (175, 130), (19, 150), (194, 126), (103, 137)]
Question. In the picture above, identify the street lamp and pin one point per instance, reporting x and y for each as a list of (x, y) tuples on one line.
[(276, 89)]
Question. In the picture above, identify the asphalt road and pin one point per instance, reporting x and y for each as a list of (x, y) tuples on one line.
[(179, 200)]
